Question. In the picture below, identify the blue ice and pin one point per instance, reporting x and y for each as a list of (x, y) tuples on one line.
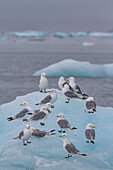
[(48, 153), (29, 33), (60, 35), (69, 67)]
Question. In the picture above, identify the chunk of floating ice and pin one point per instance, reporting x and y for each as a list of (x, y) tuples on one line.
[(48, 152), (28, 33), (60, 35), (75, 68), (88, 43)]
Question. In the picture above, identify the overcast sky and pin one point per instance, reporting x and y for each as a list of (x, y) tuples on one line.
[(56, 15)]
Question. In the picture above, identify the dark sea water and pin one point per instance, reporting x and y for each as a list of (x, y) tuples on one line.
[(18, 65)]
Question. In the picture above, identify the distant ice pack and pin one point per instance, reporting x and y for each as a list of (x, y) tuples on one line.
[(69, 67)]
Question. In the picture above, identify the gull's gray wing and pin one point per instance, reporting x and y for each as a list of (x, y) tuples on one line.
[(39, 134), (46, 99), (71, 94), (36, 111), (71, 149), (92, 134), (90, 105), (38, 116), (63, 123), (21, 134), (88, 133), (78, 89), (22, 113)]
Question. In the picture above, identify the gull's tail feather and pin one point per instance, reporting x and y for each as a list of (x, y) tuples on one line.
[(25, 120), (52, 130), (10, 118), (74, 128), (82, 154), (16, 137)]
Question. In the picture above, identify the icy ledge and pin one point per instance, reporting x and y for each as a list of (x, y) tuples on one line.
[(75, 68), (48, 153)]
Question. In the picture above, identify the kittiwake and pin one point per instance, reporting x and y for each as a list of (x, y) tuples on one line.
[(49, 98), (25, 134), (90, 105), (40, 116), (43, 85), (90, 133), (69, 147), (63, 123), (27, 110)]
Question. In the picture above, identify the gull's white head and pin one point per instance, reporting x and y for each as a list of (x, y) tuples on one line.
[(64, 135), (52, 91), (43, 75), (90, 126), (90, 99), (27, 126), (49, 105), (61, 115), (66, 87), (33, 129), (24, 104), (71, 79), (61, 79)]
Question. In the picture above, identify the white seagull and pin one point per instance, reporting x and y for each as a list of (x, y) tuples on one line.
[(43, 85), (25, 134), (61, 82), (69, 93), (90, 133), (27, 110), (63, 123), (69, 147), (49, 98), (90, 105), (40, 134), (40, 116), (74, 87)]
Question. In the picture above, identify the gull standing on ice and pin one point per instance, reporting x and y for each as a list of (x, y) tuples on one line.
[(63, 123), (75, 87), (47, 106), (25, 134), (27, 110), (40, 116), (69, 147), (50, 98), (69, 93), (90, 133), (43, 85), (90, 105), (41, 134), (61, 82)]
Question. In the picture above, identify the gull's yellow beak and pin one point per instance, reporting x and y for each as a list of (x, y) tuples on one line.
[(62, 86), (47, 109), (36, 130), (94, 126), (21, 104), (49, 91), (44, 75), (66, 79), (57, 116), (52, 106), (60, 136)]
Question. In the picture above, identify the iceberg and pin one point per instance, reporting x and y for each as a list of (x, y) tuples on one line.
[(29, 33), (60, 35), (70, 67), (48, 153)]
